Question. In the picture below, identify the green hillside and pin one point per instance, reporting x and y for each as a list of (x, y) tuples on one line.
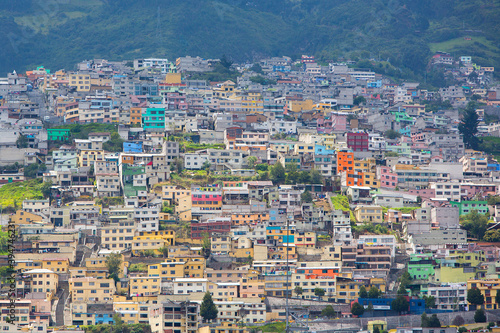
[(59, 33)]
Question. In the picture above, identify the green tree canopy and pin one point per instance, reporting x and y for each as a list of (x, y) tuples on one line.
[(430, 301), (278, 173), (357, 309), (306, 197), (374, 292), (114, 264), (475, 223), (362, 292), (320, 292), (480, 316), (251, 160), (392, 134), (400, 304), (475, 297), (22, 141), (328, 311), (208, 310), (468, 126)]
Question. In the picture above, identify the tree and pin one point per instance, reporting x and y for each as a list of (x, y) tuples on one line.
[(257, 68), (31, 171), (392, 134), (492, 236), (402, 290), (316, 177), (206, 245), (434, 321), (468, 126), (114, 144), (424, 320), (374, 292), (251, 161), (320, 292), (475, 297), (362, 292), (117, 322), (298, 291), (357, 309), (278, 173), (306, 196), (164, 251), (177, 165), (208, 310), (475, 223), (22, 141), (206, 166), (46, 189), (458, 321), (400, 304), (480, 316), (304, 177), (359, 100), (430, 301), (114, 264), (328, 311)]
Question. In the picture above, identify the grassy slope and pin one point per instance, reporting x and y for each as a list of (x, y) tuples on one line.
[(17, 192)]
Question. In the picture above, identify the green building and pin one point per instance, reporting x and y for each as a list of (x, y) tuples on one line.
[(58, 134), (465, 207), (421, 266), (153, 118)]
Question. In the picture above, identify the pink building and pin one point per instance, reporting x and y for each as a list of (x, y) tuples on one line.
[(424, 193), (339, 121), (388, 178)]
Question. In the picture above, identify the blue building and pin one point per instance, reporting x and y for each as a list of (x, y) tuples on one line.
[(132, 147), (383, 306)]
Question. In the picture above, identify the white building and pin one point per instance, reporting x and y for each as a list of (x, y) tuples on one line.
[(194, 161), (186, 286)]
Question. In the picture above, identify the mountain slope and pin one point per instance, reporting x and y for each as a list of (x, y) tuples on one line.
[(59, 33)]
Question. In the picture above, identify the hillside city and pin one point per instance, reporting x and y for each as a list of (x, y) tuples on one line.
[(204, 196)]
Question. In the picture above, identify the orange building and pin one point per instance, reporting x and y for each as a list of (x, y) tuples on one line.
[(345, 163), (135, 116), (247, 219)]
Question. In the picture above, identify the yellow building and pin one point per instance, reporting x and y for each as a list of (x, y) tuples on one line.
[(96, 267), (38, 280), (23, 217), (489, 289), (347, 289), (90, 289), (299, 106), (252, 103), (180, 198), (135, 310), (371, 214), (144, 286), (118, 236), (302, 148), (225, 90), (89, 157), (152, 241), (80, 81), (168, 270)]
